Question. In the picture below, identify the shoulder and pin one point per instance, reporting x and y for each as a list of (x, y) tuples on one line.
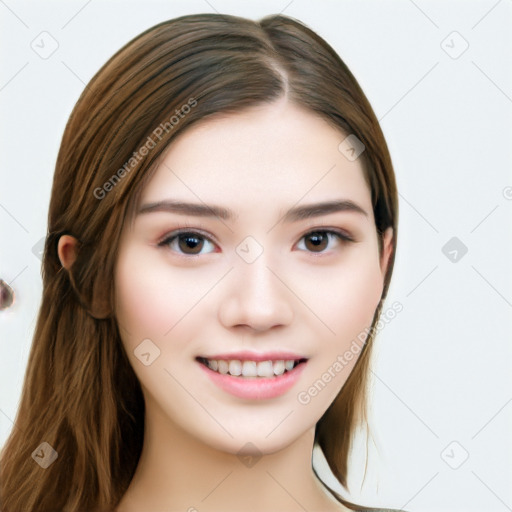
[(359, 508), (380, 510)]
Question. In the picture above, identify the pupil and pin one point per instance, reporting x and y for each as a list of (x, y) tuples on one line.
[(317, 239), (191, 242)]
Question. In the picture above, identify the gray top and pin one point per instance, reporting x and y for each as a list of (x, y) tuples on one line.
[(380, 510), (359, 508)]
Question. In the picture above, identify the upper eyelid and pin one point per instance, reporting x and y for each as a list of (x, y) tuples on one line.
[(187, 230)]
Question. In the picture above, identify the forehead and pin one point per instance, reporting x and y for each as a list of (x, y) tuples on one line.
[(277, 154)]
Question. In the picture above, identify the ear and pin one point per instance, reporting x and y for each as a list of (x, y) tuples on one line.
[(95, 302), (67, 250), (387, 250)]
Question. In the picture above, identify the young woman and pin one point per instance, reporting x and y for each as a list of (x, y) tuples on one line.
[(221, 238)]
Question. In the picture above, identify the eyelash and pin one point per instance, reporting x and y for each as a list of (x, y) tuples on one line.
[(340, 235)]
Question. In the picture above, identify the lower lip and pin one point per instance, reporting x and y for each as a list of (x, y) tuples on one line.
[(256, 388)]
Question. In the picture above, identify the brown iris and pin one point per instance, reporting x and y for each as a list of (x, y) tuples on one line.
[(189, 241), (318, 241)]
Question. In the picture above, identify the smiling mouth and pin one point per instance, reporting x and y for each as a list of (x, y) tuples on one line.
[(251, 369)]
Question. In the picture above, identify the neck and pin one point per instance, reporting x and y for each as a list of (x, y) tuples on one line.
[(177, 471)]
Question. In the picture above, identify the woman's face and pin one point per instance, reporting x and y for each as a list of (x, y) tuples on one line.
[(258, 274)]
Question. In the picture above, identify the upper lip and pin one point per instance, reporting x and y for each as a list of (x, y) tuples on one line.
[(257, 356)]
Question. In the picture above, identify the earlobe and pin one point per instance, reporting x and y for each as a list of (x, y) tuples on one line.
[(67, 250), (387, 250)]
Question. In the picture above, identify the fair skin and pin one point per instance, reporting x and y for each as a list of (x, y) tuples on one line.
[(310, 299)]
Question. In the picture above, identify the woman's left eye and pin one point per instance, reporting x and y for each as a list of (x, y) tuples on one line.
[(191, 243), (319, 239)]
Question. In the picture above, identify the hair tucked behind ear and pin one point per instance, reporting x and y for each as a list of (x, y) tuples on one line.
[(80, 394)]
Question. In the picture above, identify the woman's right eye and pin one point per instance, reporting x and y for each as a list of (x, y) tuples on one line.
[(187, 243)]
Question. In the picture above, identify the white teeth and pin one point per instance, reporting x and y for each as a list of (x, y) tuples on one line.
[(251, 368), (265, 369), (235, 368), (279, 367), (223, 367)]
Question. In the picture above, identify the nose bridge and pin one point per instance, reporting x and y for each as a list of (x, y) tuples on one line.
[(253, 262), (256, 278), (256, 296)]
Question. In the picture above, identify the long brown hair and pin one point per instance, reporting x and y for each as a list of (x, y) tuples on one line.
[(80, 394)]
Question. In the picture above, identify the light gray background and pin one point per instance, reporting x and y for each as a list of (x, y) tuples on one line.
[(442, 387)]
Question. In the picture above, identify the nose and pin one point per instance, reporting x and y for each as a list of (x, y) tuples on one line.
[(255, 297)]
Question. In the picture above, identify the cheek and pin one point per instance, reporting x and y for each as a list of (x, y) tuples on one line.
[(346, 298), (156, 302), (346, 304), (359, 295), (143, 307)]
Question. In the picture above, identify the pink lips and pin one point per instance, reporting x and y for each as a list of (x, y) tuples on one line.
[(259, 388)]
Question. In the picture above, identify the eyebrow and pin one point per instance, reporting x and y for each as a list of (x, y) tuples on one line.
[(292, 215)]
